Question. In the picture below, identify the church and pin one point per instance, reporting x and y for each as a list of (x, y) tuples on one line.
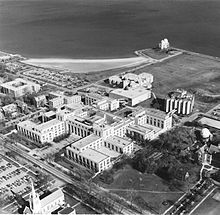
[(48, 203)]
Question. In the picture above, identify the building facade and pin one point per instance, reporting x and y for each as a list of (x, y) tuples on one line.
[(181, 101), (47, 204), (19, 87), (132, 96), (41, 133)]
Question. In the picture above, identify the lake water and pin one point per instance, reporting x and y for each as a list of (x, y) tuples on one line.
[(107, 28)]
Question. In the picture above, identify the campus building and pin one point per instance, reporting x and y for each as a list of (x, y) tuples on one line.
[(181, 101), (101, 102), (80, 125), (86, 152), (153, 117), (19, 87), (58, 99), (132, 96), (41, 133), (149, 123), (97, 154), (131, 80), (140, 132), (119, 144)]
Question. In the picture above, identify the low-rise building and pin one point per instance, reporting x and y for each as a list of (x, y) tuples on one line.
[(56, 102), (96, 153), (58, 99), (41, 133), (10, 110), (74, 99), (107, 104), (79, 126), (140, 132), (131, 80), (119, 144), (40, 101), (86, 152), (133, 96), (19, 87), (153, 117)]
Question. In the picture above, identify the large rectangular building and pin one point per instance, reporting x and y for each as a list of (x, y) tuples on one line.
[(19, 87), (119, 144), (140, 132), (101, 102), (41, 133), (86, 152), (153, 117), (133, 96)]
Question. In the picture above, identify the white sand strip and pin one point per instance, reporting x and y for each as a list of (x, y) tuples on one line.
[(85, 65)]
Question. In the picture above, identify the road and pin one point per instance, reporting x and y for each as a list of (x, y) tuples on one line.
[(188, 200), (82, 185)]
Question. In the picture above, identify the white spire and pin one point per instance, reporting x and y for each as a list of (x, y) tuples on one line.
[(35, 204)]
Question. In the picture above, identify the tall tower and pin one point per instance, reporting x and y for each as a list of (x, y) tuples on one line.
[(35, 204)]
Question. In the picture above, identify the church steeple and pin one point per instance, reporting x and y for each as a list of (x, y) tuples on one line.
[(35, 203)]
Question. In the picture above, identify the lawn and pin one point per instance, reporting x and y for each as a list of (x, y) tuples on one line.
[(133, 185), (83, 209)]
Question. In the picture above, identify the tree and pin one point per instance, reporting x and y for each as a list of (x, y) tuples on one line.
[(6, 100)]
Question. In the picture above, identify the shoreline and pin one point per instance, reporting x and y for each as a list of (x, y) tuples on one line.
[(85, 65)]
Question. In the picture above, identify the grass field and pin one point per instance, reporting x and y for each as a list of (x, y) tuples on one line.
[(186, 71), (131, 184), (195, 73)]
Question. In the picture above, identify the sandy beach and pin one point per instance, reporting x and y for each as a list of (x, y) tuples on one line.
[(85, 65)]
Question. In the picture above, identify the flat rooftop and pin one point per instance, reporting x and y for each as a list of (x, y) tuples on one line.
[(28, 124), (210, 122), (94, 95), (156, 113), (49, 113), (48, 124), (91, 154), (81, 120), (119, 141), (108, 152), (131, 93), (141, 128), (85, 141), (17, 83)]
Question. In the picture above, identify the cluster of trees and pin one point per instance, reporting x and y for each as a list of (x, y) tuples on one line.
[(6, 100), (29, 98), (176, 158), (102, 205), (216, 176), (43, 179)]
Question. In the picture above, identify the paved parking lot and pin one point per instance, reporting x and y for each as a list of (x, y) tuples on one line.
[(12, 177)]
